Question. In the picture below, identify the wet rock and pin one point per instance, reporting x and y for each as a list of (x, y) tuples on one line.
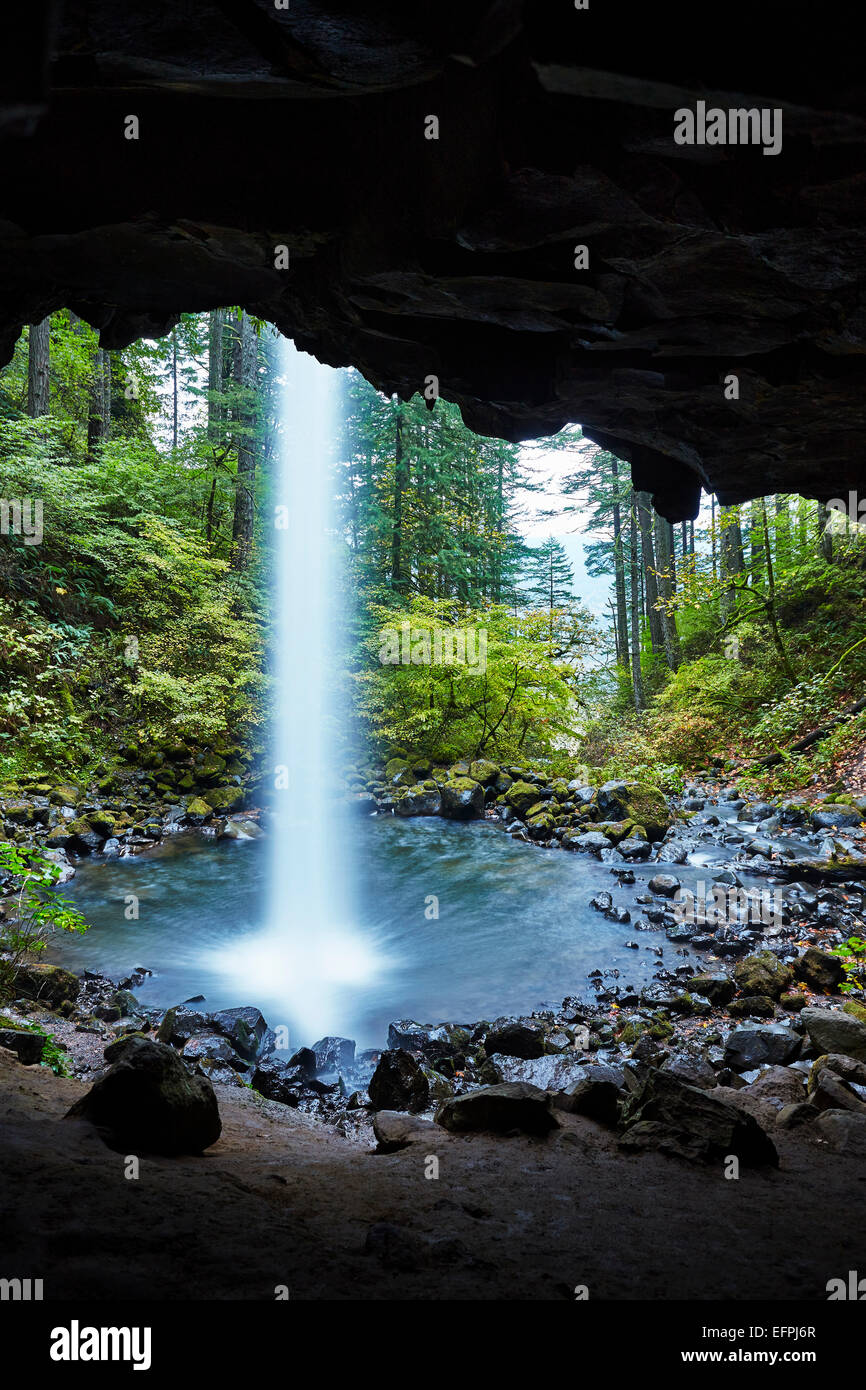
[(245, 1028), (394, 1130), (596, 1097), (553, 1072), (500, 1109), (756, 1045), (752, 1006), (148, 1102), (718, 988), (691, 1068), (334, 1054), (820, 971), (212, 1047), (515, 1038), (280, 1081), (665, 885), (763, 973), (632, 848), (399, 1083), (668, 1115), (833, 1031)]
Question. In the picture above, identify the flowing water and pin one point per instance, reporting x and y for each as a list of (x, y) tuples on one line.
[(514, 932)]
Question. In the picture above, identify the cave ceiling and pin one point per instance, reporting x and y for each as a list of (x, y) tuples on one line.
[(409, 257)]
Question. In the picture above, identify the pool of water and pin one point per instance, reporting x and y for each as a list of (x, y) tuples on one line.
[(451, 921)]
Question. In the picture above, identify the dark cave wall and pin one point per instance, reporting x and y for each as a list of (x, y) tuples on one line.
[(455, 257)]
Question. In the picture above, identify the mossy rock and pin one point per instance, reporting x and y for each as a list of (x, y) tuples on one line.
[(856, 1010), (521, 796), (394, 766), (617, 830), (49, 984), (484, 771), (648, 807), (186, 783), (196, 806), (103, 822), (65, 795), (224, 798), (209, 766)]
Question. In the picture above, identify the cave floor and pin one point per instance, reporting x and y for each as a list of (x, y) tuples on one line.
[(282, 1200)]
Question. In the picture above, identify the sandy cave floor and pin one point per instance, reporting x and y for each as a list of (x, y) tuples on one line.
[(283, 1199)]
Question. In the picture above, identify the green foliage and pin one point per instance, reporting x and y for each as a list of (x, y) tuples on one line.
[(518, 701), (37, 910)]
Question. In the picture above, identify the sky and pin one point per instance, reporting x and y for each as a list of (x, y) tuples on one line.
[(549, 467)]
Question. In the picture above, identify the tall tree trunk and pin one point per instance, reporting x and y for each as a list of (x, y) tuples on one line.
[(401, 480), (666, 588), (174, 387), (38, 350), (243, 370), (637, 682), (99, 406), (106, 395), (713, 535), (825, 535), (215, 376), (619, 570), (771, 598), (731, 559), (644, 512)]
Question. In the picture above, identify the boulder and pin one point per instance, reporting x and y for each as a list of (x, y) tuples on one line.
[(520, 796), (245, 1028), (515, 1038), (148, 1102), (637, 801), (833, 1031), (399, 1083), (634, 848), (500, 1109), (758, 1045), (484, 772), (843, 1132), (596, 1097), (665, 885), (718, 988), (280, 1081), (462, 798), (27, 1046), (666, 1114), (419, 801), (556, 1071), (49, 984), (223, 798), (763, 974), (334, 1054), (395, 1130), (820, 971)]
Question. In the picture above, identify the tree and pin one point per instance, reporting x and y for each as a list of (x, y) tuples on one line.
[(243, 372), (39, 341)]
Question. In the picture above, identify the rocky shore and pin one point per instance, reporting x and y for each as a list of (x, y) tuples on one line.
[(770, 1033)]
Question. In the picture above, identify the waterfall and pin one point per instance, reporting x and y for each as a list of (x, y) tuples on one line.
[(309, 957)]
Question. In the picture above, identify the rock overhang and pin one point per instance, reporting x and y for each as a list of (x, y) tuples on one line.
[(455, 257)]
